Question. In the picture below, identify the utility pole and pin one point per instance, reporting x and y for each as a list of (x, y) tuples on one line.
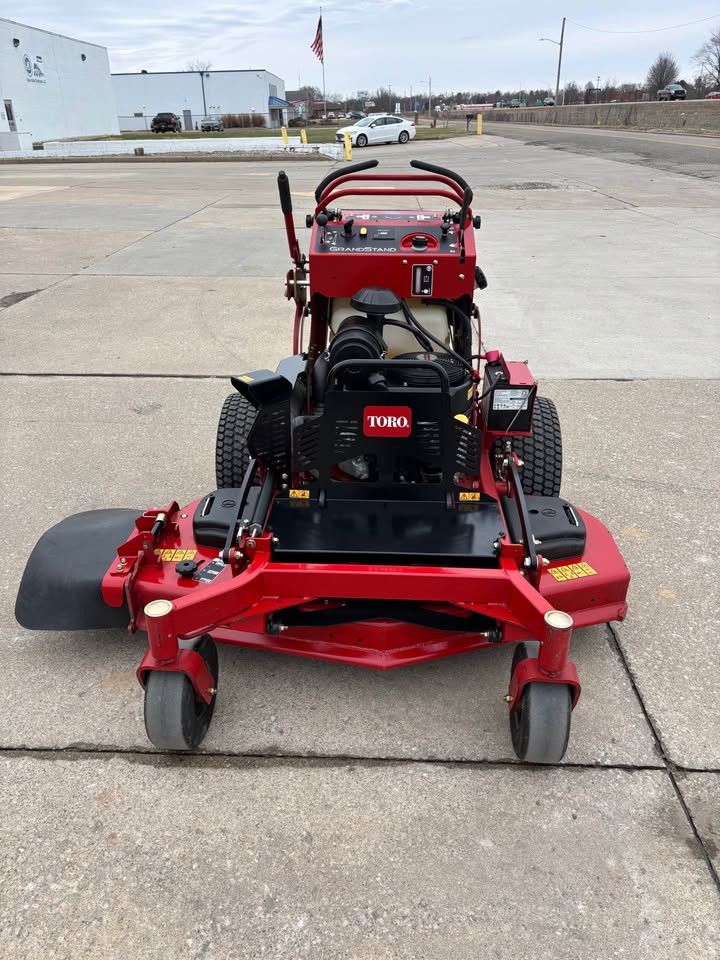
[(430, 98), (557, 81), (560, 45), (597, 91), (202, 84)]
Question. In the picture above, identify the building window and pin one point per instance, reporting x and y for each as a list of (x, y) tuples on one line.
[(273, 89)]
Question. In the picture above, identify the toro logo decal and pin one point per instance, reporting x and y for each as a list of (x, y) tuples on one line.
[(387, 421)]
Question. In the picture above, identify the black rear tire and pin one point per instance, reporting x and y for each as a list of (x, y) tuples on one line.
[(232, 456), (404, 136), (541, 453)]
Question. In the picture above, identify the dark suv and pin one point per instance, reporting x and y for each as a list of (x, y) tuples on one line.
[(166, 123), (673, 91)]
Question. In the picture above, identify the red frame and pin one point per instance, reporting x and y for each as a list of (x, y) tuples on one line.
[(234, 608)]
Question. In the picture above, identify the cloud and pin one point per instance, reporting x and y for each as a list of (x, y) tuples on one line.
[(371, 43)]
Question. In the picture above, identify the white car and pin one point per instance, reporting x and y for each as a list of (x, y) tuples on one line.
[(378, 128)]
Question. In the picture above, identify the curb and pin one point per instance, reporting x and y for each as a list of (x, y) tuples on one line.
[(247, 157)]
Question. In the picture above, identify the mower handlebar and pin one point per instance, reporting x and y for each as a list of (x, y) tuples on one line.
[(444, 172), (284, 191), (355, 168)]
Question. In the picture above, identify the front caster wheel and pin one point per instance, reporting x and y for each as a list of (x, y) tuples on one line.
[(175, 717), (540, 724)]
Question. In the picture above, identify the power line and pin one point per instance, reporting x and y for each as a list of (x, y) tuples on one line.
[(677, 26)]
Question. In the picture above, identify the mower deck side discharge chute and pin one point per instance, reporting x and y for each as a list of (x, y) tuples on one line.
[(60, 588)]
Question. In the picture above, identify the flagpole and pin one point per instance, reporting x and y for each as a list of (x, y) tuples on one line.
[(323, 69)]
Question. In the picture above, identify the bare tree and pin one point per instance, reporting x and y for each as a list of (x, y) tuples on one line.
[(198, 66), (663, 71), (609, 90), (700, 86), (708, 59), (572, 93)]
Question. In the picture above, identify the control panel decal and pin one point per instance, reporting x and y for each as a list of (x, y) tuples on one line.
[(422, 280)]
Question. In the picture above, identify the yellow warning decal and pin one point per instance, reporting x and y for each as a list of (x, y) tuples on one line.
[(246, 379), (468, 495), (173, 556), (573, 571), (299, 494)]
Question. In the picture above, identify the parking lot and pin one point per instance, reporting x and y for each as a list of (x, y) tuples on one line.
[(334, 812)]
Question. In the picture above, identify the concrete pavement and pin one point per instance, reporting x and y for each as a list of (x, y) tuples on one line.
[(150, 857), (152, 284)]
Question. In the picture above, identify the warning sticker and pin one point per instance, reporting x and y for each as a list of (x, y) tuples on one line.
[(246, 379), (208, 573), (511, 399), (573, 571), (299, 494), (173, 556), (468, 495)]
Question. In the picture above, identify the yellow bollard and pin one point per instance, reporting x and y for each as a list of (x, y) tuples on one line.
[(303, 137), (479, 125), (283, 131), (348, 147)]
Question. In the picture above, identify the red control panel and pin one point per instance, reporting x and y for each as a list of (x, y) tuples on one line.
[(414, 254)]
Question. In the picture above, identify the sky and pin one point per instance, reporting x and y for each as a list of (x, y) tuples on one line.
[(399, 43)]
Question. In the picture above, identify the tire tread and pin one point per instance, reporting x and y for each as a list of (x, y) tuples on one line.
[(232, 456), (541, 453)]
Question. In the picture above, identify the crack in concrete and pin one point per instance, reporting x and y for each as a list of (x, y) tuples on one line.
[(670, 767), (88, 751)]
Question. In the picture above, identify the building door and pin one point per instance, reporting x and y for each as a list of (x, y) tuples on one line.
[(10, 114), (187, 118)]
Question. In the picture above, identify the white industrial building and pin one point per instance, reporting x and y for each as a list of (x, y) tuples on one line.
[(52, 87), (194, 95)]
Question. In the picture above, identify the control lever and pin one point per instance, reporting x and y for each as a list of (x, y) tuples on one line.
[(347, 227)]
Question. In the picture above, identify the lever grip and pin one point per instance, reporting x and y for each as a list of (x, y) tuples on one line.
[(284, 191), (343, 172), (443, 171)]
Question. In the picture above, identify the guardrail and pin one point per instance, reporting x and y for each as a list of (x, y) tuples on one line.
[(691, 116)]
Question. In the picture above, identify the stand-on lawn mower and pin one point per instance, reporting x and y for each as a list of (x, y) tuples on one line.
[(389, 495)]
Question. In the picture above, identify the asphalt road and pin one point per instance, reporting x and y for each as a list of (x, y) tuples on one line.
[(674, 153)]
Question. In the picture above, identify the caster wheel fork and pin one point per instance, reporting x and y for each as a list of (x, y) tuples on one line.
[(540, 722), (176, 718)]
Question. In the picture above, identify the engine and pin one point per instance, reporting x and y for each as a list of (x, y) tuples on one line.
[(382, 328)]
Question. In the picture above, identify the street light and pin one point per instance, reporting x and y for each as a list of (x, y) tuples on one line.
[(558, 43)]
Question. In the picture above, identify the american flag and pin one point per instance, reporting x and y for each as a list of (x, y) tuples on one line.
[(317, 44)]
